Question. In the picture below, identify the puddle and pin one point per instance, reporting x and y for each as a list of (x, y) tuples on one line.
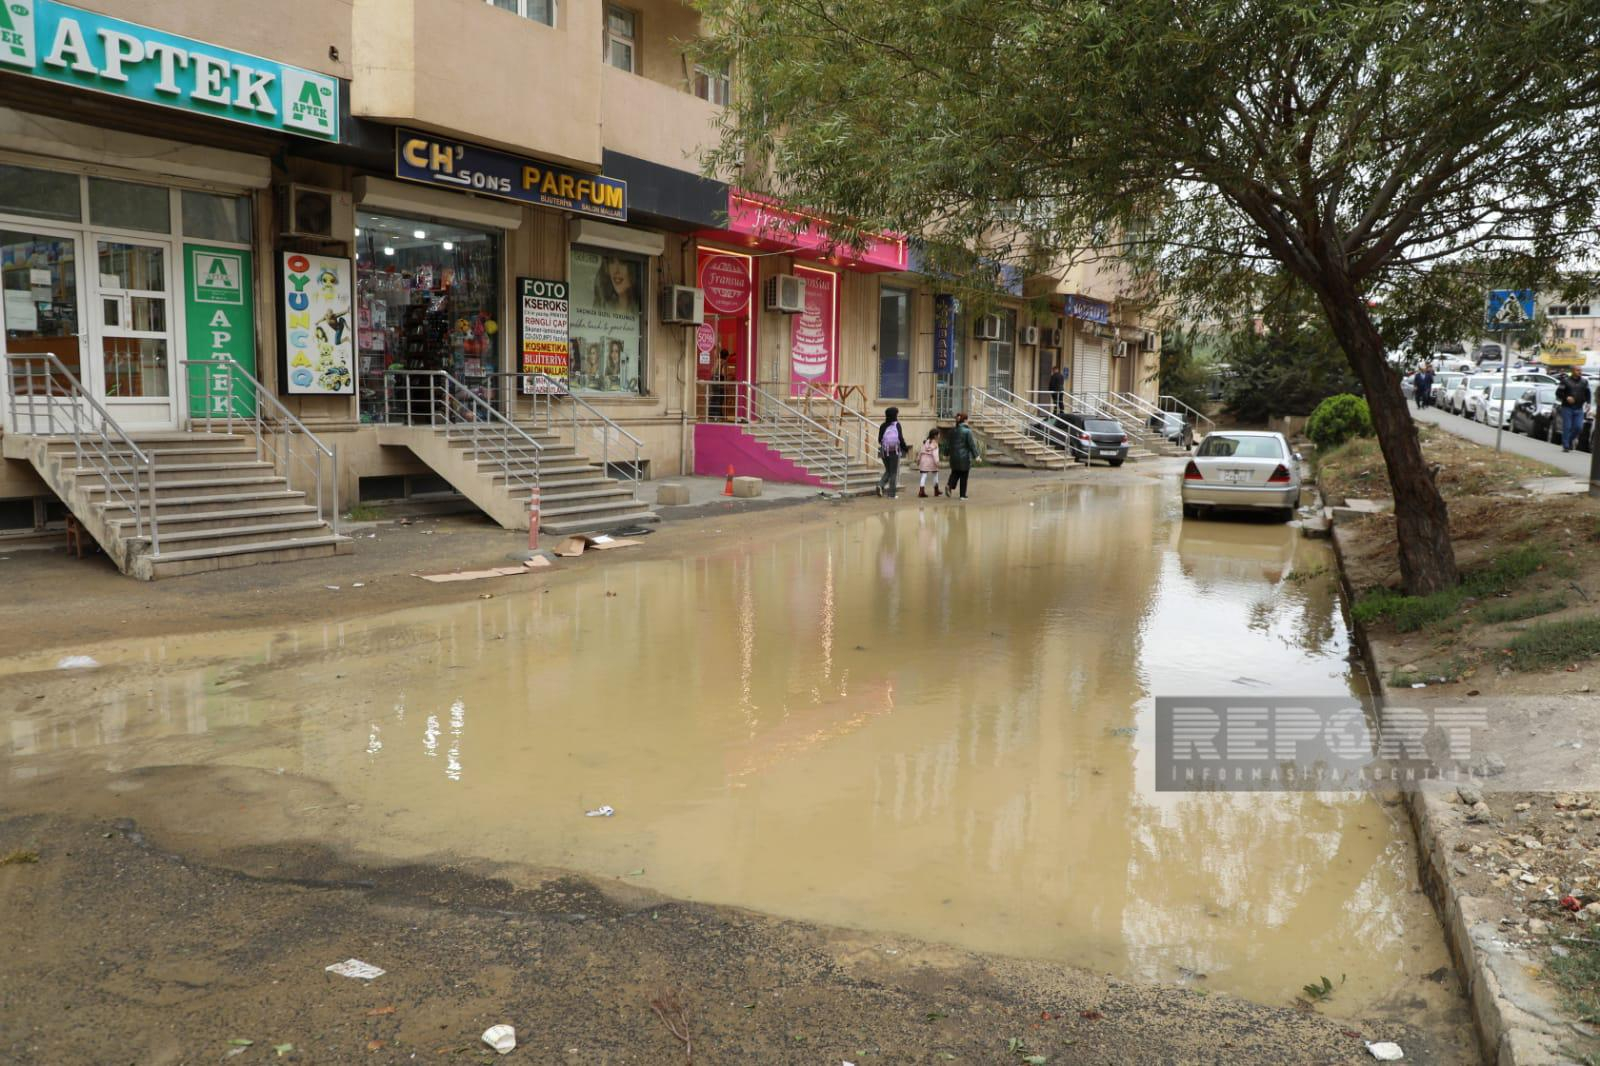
[(931, 722)]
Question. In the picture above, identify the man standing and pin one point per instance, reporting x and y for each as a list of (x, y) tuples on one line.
[(1572, 396), (1422, 386), (1058, 384)]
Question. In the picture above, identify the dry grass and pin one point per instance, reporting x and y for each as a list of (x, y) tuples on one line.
[(19, 857), (1466, 469)]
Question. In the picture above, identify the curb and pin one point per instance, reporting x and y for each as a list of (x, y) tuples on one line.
[(1516, 1021)]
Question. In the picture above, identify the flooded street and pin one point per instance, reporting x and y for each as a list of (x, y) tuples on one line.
[(931, 721)]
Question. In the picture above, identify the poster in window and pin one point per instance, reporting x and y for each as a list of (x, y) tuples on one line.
[(319, 340), (811, 333), (606, 321), (542, 334)]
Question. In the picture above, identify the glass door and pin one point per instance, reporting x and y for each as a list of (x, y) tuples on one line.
[(39, 276), (133, 299), (1002, 353)]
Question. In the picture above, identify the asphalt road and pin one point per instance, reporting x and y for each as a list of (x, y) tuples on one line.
[(1575, 463)]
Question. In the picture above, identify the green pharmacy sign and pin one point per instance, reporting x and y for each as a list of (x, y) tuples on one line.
[(219, 320), (87, 50)]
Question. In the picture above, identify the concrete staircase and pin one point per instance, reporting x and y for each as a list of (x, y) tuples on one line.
[(497, 474), (216, 505), (803, 446), (1005, 443)]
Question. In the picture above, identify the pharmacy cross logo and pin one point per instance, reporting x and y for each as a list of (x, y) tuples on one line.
[(216, 278), (16, 32)]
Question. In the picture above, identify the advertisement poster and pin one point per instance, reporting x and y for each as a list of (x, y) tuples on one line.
[(606, 321), (944, 333), (726, 282), (219, 317), (319, 337), (542, 333), (812, 332)]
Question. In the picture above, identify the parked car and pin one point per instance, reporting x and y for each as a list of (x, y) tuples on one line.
[(1532, 414), (1495, 403), (1239, 469), (1092, 438), (1457, 401), (1443, 385), (1174, 427)]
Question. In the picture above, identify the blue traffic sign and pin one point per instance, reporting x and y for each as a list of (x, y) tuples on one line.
[(1509, 309)]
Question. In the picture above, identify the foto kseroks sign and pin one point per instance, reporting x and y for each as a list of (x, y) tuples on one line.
[(88, 50)]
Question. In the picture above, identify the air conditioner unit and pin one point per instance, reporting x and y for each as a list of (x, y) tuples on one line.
[(1152, 343), (1030, 335), (325, 214), (786, 293), (1121, 351), (986, 327), (683, 305), (1050, 338)]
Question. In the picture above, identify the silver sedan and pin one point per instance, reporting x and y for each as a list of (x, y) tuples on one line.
[(1242, 469)]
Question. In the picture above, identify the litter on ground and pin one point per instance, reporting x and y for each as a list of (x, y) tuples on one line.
[(600, 812), (503, 1038), (355, 968), (77, 662)]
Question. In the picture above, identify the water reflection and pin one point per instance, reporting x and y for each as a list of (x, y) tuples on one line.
[(934, 721)]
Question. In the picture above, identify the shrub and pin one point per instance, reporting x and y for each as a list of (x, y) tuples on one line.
[(1337, 419)]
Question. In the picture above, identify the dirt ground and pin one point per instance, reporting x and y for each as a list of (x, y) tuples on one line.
[(137, 936), (1528, 859)]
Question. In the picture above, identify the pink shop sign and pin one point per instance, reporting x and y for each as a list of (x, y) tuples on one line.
[(764, 221)]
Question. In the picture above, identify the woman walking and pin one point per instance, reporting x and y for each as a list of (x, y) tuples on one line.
[(928, 464), (891, 446), (963, 453)]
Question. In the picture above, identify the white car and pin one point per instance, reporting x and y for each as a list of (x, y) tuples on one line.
[(1494, 405), (1243, 469), (1457, 401)]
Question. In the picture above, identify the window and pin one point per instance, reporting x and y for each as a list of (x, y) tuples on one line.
[(1003, 352), (894, 344), (537, 10), (1561, 333), (216, 218), (39, 193), (124, 205), (621, 37), (711, 84), (606, 321), (1578, 309), (1558, 311), (1575, 334)]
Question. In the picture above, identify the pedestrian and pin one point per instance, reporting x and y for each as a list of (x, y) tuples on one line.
[(1422, 386), (928, 464), (1058, 384), (1573, 396), (891, 446), (963, 453)]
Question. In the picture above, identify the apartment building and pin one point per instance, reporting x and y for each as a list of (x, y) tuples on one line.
[(358, 215)]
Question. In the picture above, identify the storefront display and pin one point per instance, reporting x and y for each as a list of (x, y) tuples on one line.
[(315, 300), (427, 298), (607, 321)]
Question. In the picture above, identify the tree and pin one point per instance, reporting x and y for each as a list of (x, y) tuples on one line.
[(1179, 368), (1286, 367), (1350, 145)]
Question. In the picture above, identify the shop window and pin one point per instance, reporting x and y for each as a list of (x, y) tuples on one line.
[(607, 320), (894, 344), (535, 10), (621, 44), (712, 84), (18, 514), (216, 218), (427, 298), (125, 205), (1003, 354), (40, 193)]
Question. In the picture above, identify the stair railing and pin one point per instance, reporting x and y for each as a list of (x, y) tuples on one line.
[(1172, 403), (545, 392), (859, 431), (983, 405), (228, 394), (47, 399), (817, 447), (434, 398)]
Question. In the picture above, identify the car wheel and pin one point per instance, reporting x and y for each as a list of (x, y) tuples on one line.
[(1286, 514), (1191, 511), (1113, 462)]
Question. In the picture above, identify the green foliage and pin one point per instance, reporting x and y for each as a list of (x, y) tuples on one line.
[(1410, 613), (1180, 371), (1578, 975), (1547, 644), (1288, 366), (1337, 419), (1526, 607)]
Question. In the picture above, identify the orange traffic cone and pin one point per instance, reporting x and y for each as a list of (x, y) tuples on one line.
[(727, 489)]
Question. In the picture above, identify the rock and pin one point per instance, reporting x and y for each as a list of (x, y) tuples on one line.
[(1538, 927), (1593, 911), (1530, 842), (1519, 808), (1409, 668), (1475, 850), (1588, 814), (1480, 813), (1487, 764), (1527, 878), (1471, 795)]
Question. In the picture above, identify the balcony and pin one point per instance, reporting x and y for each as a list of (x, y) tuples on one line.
[(464, 68), (649, 120)]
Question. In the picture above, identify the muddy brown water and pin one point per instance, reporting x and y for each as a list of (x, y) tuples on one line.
[(932, 721)]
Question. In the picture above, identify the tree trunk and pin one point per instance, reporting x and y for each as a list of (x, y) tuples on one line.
[(1421, 521)]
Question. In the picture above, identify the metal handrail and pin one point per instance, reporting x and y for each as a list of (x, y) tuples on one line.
[(756, 406), (447, 404), (1042, 417), (1022, 420), (274, 436), (1177, 403), (868, 441), (105, 436), (546, 390)]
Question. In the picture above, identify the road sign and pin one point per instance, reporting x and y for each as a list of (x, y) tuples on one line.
[(1509, 309)]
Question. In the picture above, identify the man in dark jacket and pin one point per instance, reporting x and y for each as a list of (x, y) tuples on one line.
[(1422, 386), (1572, 395), (963, 453), (891, 446), (1058, 384)]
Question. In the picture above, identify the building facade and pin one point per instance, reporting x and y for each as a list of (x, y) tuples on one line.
[(326, 193)]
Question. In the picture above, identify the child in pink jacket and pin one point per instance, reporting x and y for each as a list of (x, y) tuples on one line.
[(928, 464)]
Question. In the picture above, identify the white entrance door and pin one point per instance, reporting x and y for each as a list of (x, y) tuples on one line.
[(41, 275), (133, 361)]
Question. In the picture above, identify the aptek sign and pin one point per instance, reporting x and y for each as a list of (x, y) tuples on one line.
[(55, 42)]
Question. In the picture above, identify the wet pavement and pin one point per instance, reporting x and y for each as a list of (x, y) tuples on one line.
[(930, 721)]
